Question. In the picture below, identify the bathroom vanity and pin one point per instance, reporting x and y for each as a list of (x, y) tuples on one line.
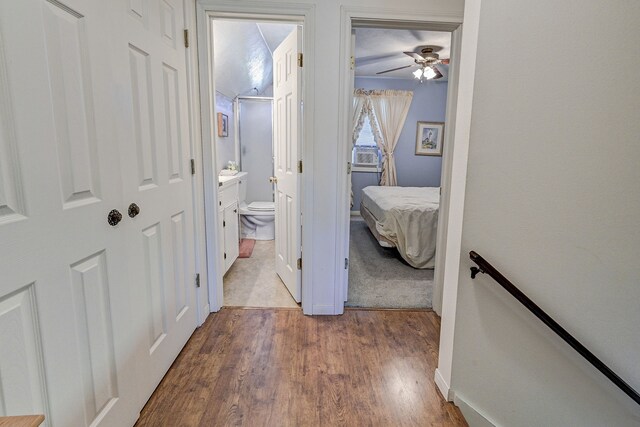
[(228, 218)]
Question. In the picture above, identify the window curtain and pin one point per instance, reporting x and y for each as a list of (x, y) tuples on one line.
[(390, 108), (358, 113), (357, 118)]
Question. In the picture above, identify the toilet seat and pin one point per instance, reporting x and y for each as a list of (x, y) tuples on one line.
[(262, 206), (247, 210)]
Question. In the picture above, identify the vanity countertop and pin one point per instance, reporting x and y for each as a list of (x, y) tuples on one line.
[(227, 180)]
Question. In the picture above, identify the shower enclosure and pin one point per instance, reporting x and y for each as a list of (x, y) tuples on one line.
[(254, 117)]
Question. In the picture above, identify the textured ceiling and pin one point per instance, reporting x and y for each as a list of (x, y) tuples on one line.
[(274, 34), (242, 54), (243, 49), (381, 49)]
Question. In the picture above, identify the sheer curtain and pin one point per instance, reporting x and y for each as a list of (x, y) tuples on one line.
[(360, 100), (390, 108)]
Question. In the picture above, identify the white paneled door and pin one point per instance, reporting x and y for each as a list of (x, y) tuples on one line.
[(92, 119), (287, 84), (64, 294), (157, 178)]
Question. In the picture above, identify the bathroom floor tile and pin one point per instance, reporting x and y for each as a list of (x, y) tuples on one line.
[(253, 282)]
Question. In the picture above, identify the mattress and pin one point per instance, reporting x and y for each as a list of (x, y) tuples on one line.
[(381, 199), (406, 217)]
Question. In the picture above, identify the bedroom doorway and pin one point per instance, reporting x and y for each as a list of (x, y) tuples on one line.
[(398, 136)]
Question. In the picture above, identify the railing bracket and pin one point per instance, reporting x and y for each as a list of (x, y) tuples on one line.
[(475, 271)]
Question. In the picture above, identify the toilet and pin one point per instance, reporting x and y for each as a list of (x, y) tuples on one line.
[(257, 219)]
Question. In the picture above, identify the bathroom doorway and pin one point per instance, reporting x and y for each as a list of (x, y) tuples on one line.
[(256, 147)]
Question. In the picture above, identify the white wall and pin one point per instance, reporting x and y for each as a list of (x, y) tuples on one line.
[(225, 145), (553, 201)]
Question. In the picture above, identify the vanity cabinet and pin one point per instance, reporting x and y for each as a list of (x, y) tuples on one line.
[(228, 221), (230, 234)]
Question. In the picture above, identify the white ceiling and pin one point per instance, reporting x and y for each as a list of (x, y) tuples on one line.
[(274, 34), (382, 49), (242, 54), (243, 50)]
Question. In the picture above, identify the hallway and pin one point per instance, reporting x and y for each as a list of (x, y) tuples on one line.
[(266, 367)]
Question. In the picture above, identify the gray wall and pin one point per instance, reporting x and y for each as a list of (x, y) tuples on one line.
[(428, 104), (225, 146), (553, 201)]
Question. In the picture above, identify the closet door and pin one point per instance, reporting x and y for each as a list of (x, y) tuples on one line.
[(155, 158), (64, 295)]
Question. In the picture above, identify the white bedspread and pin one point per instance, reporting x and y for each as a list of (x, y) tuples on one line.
[(407, 216)]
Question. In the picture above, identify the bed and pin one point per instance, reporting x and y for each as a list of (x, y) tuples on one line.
[(405, 218)]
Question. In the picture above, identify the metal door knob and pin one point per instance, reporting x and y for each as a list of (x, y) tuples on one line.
[(114, 217), (273, 180), (134, 210)]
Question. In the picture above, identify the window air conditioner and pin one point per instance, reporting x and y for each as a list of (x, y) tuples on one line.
[(366, 156)]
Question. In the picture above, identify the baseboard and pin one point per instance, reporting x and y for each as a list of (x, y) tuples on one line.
[(204, 314), (473, 417), (443, 386), (324, 310)]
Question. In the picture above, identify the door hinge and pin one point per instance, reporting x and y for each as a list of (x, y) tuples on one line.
[(197, 280), (186, 38), (348, 168), (193, 166), (353, 62), (225, 255), (299, 263), (224, 223), (299, 166), (346, 263), (300, 59)]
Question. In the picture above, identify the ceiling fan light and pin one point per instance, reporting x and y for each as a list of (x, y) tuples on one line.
[(429, 73), (418, 73)]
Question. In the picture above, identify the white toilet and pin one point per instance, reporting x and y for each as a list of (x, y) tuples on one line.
[(257, 219)]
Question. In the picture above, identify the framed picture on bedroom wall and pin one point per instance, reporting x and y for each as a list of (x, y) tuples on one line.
[(223, 125), (429, 137)]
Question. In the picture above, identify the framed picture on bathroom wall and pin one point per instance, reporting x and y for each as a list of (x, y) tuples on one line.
[(429, 137), (223, 125)]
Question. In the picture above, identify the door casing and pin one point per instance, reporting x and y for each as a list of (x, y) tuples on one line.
[(303, 15)]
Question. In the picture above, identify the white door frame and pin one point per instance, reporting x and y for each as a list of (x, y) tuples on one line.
[(367, 17), (195, 141), (255, 11), (454, 168)]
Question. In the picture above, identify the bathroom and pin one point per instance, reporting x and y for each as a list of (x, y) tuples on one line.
[(244, 158)]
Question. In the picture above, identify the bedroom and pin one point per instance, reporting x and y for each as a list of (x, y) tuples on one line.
[(398, 119)]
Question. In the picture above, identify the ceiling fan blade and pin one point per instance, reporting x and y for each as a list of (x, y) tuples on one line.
[(415, 56), (438, 73), (395, 69), (366, 60)]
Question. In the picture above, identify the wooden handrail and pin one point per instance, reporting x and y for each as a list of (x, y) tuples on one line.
[(485, 267), (22, 421)]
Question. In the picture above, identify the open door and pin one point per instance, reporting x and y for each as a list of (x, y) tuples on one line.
[(287, 137)]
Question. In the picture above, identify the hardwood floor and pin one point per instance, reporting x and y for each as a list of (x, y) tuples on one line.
[(277, 367)]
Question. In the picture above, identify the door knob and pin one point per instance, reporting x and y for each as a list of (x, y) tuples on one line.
[(134, 210), (273, 180), (114, 217)]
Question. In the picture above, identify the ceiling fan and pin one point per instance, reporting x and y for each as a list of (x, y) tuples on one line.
[(427, 60)]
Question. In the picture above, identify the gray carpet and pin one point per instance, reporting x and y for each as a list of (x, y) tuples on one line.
[(380, 278)]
